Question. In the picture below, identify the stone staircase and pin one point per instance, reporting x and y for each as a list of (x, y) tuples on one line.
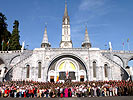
[(125, 75), (26, 55)]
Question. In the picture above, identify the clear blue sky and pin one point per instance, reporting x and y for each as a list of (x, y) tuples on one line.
[(106, 20)]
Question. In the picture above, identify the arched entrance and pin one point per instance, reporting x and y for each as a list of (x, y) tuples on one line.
[(67, 67)]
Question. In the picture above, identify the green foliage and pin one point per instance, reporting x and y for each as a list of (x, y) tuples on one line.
[(14, 41), (4, 33)]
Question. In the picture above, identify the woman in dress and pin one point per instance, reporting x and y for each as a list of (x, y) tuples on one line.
[(66, 92)]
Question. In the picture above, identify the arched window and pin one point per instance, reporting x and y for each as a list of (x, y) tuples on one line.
[(94, 69), (39, 69), (28, 71), (105, 70)]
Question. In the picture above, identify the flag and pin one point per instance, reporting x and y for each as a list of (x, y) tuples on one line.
[(2, 42), (67, 74), (8, 41), (22, 49), (128, 40), (57, 79), (110, 46), (123, 43)]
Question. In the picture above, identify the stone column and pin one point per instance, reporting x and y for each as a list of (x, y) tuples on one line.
[(45, 74), (102, 73), (24, 73), (109, 73), (91, 73), (98, 73), (36, 74), (42, 73), (88, 74), (113, 73), (31, 73)]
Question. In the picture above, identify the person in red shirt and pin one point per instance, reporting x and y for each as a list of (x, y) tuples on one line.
[(9, 91), (38, 93), (6, 93), (32, 92), (24, 95)]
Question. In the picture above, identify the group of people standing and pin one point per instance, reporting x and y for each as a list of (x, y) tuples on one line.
[(68, 89)]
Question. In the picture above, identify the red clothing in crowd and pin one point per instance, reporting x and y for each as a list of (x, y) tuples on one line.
[(37, 91), (6, 91), (32, 91), (24, 94)]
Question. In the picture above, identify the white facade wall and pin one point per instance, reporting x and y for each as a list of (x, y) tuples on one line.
[(45, 56)]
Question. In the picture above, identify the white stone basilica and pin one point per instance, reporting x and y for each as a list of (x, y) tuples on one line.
[(80, 64)]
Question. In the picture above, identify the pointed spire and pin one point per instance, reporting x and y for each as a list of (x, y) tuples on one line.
[(86, 43), (87, 40), (66, 17), (65, 13), (45, 37), (45, 42)]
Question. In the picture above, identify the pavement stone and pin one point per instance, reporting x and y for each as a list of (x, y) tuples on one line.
[(75, 98)]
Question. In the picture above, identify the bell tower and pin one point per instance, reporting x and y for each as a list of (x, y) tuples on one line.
[(66, 38)]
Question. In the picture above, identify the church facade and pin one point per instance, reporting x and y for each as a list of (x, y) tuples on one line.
[(79, 64)]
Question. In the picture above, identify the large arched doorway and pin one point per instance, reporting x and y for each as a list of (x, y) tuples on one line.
[(67, 67), (129, 68)]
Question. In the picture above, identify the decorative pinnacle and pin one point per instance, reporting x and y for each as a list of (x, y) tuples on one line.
[(45, 37), (86, 36)]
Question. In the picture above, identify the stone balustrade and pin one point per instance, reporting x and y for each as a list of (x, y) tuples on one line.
[(116, 51)]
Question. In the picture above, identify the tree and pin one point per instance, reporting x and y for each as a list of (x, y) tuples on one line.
[(4, 33), (14, 41)]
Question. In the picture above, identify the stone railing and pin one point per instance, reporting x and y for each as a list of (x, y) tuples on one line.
[(116, 51), (11, 67), (127, 74), (122, 51), (14, 51), (67, 49)]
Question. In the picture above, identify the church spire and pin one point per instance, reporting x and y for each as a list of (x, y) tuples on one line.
[(45, 42), (66, 17), (86, 42), (65, 13), (66, 41), (86, 36)]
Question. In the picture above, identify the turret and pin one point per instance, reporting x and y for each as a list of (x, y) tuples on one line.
[(45, 43), (86, 43)]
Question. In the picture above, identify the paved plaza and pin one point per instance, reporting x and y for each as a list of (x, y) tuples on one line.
[(88, 98)]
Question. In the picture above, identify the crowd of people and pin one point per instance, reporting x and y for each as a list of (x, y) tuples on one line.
[(30, 89)]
